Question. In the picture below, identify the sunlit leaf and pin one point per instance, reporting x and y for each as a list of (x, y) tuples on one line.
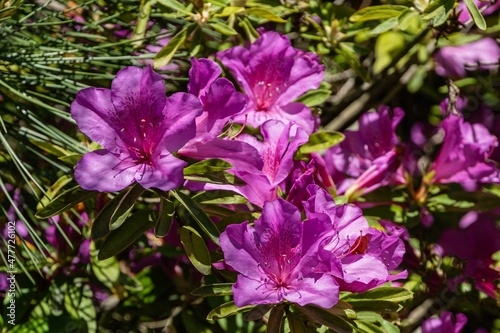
[(65, 201), (321, 140), (225, 310), (196, 250)]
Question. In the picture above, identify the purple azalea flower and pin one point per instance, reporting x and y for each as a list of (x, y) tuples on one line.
[(275, 162), (273, 74), (463, 155), (475, 243), (277, 259), (220, 102), (454, 61), (367, 255), (445, 323), (139, 129), (371, 155)]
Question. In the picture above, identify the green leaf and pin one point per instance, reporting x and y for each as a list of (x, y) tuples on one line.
[(79, 305), (53, 190), (216, 289), (220, 197), (438, 11), (230, 10), (324, 317), (392, 294), (346, 50), (223, 28), (37, 325), (71, 158), (265, 14), (165, 217), (196, 250), (142, 22), (65, 201), (106, 271), (382, 12), (461, 201), (227, 309), (374, 305), (321, 140), (176, 6), (275, 320), (207, 166), (316, 97), (133, 227), (168, 51), (51, 148), (387, 47), (475, 14), (198, 215), (116, 211), (219, 177)]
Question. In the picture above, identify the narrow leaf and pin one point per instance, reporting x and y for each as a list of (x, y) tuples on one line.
[(475, 14), (265, 14), (321, 140), (225, 310), (207, 166), (119, 239), (65, 201), (196, 250), (392, 294), (223, 28), (165, 217), (168, 51), (216, 289), (381, 12), (116, 211), (323, 317), (198, 215)]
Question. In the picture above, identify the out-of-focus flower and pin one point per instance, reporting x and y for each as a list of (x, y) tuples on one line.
[(273, 74), (277, 259), (455, 61), (371, 156), (475, 243), (367, 255), (463, 155), (139, 129), (445, 323)]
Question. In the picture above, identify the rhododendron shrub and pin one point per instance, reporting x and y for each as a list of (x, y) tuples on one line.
[(277, 166)]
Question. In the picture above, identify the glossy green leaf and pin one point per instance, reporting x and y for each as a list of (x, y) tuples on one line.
[(381, 12), (225, 310), (387, 47), (106, 271), (54, 190), (198, 215), (223, 28), (475, 14), (133, 227), (218, 177), (196, 250), (438, 11), (176, 6), (316, 97), (321, 140), (168, 51), (220, 197), (116, 211), (230, 10), (265, 13), (216, 289), (392, 294), (207, 166), (71, 158), (324, 317), (165, 217), (65, 201)]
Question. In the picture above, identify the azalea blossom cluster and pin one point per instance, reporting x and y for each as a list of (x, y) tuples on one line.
[(143, 134)]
